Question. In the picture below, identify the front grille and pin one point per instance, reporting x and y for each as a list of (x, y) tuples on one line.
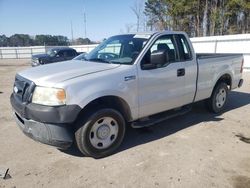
[(23, 89)]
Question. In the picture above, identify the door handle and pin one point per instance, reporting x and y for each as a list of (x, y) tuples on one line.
[(127, 78), (180, 72)]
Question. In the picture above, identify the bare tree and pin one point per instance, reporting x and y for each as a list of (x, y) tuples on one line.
[(204, 24), (138, 9), (129, 27)]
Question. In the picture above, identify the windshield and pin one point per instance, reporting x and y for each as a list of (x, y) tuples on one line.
[(121, 49), (51, 52)]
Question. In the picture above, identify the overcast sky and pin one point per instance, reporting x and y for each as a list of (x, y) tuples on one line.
[(104, 18)]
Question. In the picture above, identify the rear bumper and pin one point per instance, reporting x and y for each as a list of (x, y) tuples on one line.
[(59, 136)]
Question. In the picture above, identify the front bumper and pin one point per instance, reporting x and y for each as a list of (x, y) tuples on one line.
[(46, 124), (45, 114), (55, 135)]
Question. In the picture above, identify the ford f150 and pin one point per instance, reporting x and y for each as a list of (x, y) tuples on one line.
[(131, 79)]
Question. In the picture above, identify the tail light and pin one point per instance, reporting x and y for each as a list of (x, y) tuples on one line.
[(242, 64)]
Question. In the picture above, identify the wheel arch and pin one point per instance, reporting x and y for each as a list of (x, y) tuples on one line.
[(226, 78), (109, 101)]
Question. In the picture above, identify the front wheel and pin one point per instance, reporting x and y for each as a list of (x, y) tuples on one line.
[(101, 133), (216, 103)]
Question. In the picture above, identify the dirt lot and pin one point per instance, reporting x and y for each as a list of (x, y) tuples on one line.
[(195, 150)]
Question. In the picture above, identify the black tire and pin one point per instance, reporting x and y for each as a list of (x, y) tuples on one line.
[(85, 131), (213, 103)]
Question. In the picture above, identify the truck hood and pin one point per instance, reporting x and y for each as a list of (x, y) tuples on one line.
[(58, 72)]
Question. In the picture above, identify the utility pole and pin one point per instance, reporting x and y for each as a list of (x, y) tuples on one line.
[(85, 22), (85, 26), (72, 36)]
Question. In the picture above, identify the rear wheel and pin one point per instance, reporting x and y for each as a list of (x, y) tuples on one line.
[(216, 103), (101, 133)]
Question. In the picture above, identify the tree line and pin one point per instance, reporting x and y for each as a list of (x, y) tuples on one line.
[(199, 17), (40, 40)]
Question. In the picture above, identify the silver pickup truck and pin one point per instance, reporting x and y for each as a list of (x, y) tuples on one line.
[(132, 79)]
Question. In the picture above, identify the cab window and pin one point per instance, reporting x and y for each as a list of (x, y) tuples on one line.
[(70, 53), (60, 54), (184, 48), (164, 44)]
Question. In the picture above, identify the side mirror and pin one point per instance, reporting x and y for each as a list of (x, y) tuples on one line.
[(57, 55), (159, 57)]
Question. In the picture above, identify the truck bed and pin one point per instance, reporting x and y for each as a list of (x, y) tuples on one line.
[(216, 55), (212, 66)]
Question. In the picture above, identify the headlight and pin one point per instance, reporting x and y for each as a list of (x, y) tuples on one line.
[(36, 61), (49, 96)]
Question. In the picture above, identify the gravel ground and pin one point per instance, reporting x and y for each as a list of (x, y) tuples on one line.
[(198, 149)]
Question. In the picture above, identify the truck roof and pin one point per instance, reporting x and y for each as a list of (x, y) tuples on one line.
[(154, 32)]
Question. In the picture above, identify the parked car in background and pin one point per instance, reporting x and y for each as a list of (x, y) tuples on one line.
[(54, 55)]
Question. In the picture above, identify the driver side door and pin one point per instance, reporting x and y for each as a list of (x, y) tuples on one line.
[(161, 87)]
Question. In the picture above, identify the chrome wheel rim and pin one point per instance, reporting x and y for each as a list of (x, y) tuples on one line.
[(221, 98), (103, 133)]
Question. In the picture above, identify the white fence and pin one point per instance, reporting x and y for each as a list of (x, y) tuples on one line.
[(20, 52), (84, 48), (225, 44), (216, 44), (27, 52)]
